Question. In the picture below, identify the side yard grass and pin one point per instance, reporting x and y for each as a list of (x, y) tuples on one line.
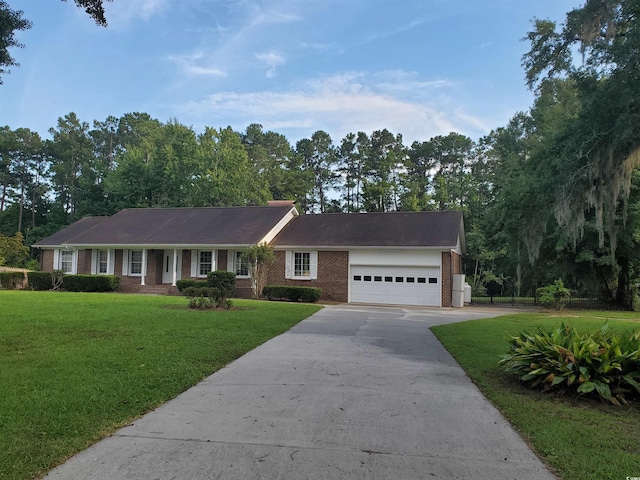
[(580, 439), (75, 367)]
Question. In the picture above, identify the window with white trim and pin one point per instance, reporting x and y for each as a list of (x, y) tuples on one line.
[(301, 264), (135, 262), (103, 261), (241, 266), (205, 263), (66, 261)]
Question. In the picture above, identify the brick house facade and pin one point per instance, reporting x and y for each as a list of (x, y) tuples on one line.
[(395, 258)]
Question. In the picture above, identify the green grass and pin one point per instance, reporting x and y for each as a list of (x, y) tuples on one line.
[(74, 367), (581, 439)]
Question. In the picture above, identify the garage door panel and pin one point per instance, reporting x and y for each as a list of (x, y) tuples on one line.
[(395, 285)]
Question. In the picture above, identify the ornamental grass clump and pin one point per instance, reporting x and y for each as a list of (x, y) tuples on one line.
[(604, 363)]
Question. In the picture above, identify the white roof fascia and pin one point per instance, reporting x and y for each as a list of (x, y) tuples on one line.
[(291, 214), (359, 247)]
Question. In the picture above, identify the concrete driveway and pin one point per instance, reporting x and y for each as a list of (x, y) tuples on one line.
[(353, 392)]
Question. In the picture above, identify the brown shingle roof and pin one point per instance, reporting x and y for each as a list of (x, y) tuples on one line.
[(172, 226), (397, 229)]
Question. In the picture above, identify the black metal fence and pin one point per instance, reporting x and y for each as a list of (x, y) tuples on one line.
[(577, 300)]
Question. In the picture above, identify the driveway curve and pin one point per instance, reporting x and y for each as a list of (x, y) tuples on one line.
[(352, 392)]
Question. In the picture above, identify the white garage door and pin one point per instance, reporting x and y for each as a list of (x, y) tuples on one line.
[(396, 285)]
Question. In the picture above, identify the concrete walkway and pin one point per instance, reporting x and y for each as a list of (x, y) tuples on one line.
[(353, 392)]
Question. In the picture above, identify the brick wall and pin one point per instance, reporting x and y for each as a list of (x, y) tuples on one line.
[(447, 279), (46, 261), (84, 262), (154, 272), (333, 275)]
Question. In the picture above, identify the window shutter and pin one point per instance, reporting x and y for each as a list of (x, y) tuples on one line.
[(288, 267), (111, 261), (56, 259), (231, 261), (125, 262), (74, 262), (94, 261), (313, 260), (194, 263), (214, 260)]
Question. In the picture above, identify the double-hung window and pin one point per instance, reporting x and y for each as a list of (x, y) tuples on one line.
[(103, 261), (66, 261), (205, 263), (202, 262), (302, 264), (241, 266), (135, 262)]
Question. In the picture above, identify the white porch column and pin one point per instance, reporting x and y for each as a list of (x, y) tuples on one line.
[(144, 266), (175, 267)]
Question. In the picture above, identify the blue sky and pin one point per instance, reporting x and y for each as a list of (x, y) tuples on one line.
[(417, 67)]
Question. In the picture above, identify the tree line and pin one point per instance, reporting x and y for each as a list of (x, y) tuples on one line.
[(552, 194)]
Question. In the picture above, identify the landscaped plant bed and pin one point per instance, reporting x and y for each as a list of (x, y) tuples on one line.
[(580, 438), (76, 366)]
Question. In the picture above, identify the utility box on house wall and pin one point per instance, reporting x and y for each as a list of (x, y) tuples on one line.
[(457, 294)]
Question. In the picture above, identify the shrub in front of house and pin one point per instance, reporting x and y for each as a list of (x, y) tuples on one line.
[(553, 296), (223, 281), (39, 281), (90, 283), (292, 293), (11, 280), (604, 363), (183, 284), (206, 298)]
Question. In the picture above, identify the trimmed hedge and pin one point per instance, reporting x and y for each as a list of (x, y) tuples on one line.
[(184, 284), (90, 283), (11, 280), (292, 293), (40, 280), (223, 281)]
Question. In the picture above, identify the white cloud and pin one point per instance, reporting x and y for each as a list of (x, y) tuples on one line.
[(272, 60), (190, 65), (122, 13), (339, 104)]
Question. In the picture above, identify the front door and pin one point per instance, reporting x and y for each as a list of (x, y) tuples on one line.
[(168, 267)]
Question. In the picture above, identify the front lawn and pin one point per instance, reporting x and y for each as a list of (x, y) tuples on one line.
[(75, 367), (580, 439)]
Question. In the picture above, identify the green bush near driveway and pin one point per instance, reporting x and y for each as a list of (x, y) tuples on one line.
[(292, 293), (77, 366), (579, 438), (603, 362)]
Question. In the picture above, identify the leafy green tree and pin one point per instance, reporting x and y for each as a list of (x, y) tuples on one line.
[(11, 21), (382, 186), (271, 154), (352, 158), (596, 48), (13, 253), (259, 258), (318, 157), (226, 176), (76, 177)]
